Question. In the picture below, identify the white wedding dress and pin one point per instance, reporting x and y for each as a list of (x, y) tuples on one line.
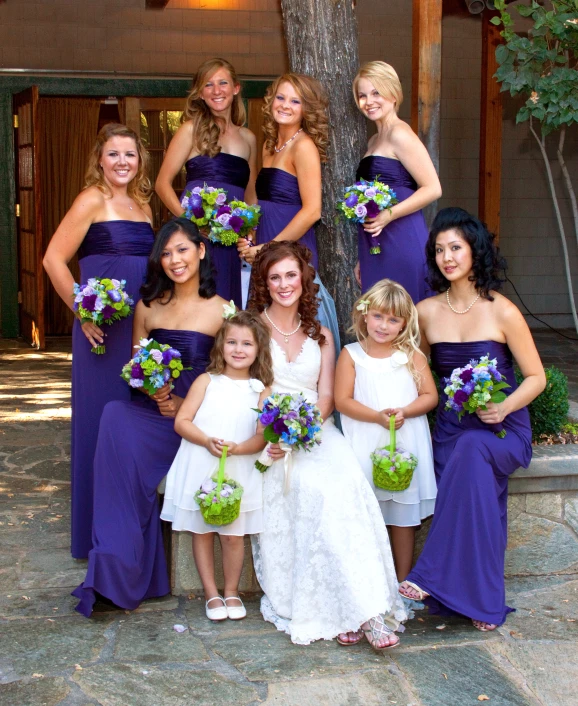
[(323, 559)]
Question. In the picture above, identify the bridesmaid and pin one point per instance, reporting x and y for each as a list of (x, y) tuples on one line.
[(396, 155), (137, 441), (289, 184), (467, 320), (217, 150), (109, 227)]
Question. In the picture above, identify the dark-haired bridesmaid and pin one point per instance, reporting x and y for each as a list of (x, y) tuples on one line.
[(461, 567), (137, 441), (396, 156), (109, 227), (216, 150)]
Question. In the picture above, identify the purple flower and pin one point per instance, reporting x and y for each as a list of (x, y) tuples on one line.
[(371, 193), (195, 201), (466, 375), (236, 223), (137, 372), (469, 387), (167, 357), (460, 398), (352, 200), (107, 312), (223, 209), (198, 212), (372, 209), (114, 295), (135, 382), (221, 198), (279, 426), (89, 302), (224, 219), (267, 418), (360, 211)]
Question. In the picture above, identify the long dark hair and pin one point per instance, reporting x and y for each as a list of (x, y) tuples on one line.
[(157, 284), (487, 263)]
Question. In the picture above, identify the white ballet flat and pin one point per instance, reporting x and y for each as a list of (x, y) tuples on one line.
[(219, 613), (236, 612)]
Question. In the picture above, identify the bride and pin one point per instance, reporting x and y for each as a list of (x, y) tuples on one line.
[(323, 558)]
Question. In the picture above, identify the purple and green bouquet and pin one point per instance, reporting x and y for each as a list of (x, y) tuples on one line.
[(472, 387), (365, 199), (232, 221), (153, 366), (290, 421), (201, 204), (102, 301)]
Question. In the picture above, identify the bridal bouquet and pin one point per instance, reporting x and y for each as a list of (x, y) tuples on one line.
[(290, 421), (201, 204), (232, 221), (365, 199), (392, 467), (219, 497), (472, 387), (102, 301), (153, 365)]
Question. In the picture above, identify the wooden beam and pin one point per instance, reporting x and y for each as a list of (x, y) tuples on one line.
[(426, 79), (490, 130)]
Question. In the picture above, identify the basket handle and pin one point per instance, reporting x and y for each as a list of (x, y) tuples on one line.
[(392, 434), (221, 472)]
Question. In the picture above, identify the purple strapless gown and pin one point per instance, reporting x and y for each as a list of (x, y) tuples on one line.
[(462, 563), (402, 242), (279, 198), (229, 172), (135, 449), (120, 250)]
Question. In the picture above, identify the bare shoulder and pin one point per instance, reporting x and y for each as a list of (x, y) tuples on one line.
[(328, 336), (248, 136), (505, 310), (89, 199), (305, 146), (401, 135), (427, 307)]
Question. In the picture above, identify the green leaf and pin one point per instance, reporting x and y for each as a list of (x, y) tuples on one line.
[(498, 397), (270, 435), (502, 53), (496, 20), (524, 10)]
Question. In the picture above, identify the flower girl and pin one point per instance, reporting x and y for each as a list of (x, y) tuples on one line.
[(381, 375), (219, 411)]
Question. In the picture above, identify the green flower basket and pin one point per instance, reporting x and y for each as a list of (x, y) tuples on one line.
[(392, 468), (223, 511)]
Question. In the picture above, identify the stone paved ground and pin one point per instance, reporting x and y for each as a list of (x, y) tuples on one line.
[(50, 655)]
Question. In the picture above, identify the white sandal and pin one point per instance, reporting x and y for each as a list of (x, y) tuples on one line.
[(376, 631), (219, 613), (421, 594), (236, 612)]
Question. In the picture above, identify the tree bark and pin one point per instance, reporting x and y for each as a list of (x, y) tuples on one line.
[(322, 42)]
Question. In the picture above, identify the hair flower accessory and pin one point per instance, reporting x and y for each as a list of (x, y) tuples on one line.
[(229, 310), (363, 306), (398, 359), (256, 385)]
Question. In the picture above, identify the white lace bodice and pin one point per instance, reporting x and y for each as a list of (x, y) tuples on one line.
[(300, 375)]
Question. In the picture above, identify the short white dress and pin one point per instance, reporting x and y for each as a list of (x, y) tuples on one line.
[(227, 413), (381, 383)]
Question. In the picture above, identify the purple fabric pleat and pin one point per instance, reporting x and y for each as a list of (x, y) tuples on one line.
[(402, 241), (279, 198), (229, 172), (135, 449), (119, 250), (462, 562)]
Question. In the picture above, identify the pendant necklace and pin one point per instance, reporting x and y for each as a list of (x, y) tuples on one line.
[(283, 333), (465, 311), (285, 145)]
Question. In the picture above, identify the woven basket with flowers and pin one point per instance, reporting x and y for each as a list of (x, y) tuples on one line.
[(392, 467)]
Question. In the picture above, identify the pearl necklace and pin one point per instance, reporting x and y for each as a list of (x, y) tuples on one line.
[(279, 330), (465, 311), (285, 145)]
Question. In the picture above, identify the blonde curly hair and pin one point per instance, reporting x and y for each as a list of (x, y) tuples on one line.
[(206, 127), (384, 77), (315, 102), (140, 188), (389, 297)]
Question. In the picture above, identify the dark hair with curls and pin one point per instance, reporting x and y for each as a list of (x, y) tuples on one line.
[(262, 366), (487, 263), (156, 282), (314, 100), (269, 255)]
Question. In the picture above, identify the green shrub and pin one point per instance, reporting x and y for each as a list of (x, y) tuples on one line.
[(549, 411)]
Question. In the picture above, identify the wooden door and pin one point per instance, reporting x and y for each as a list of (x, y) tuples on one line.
[(255, 124), (28, 217)]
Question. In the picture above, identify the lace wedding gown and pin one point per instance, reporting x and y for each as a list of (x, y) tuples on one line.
[(323, 558)]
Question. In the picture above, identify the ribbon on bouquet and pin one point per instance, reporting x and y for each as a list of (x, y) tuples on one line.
[(264, 462)]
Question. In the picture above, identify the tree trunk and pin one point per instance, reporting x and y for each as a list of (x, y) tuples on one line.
[(322, 42)]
